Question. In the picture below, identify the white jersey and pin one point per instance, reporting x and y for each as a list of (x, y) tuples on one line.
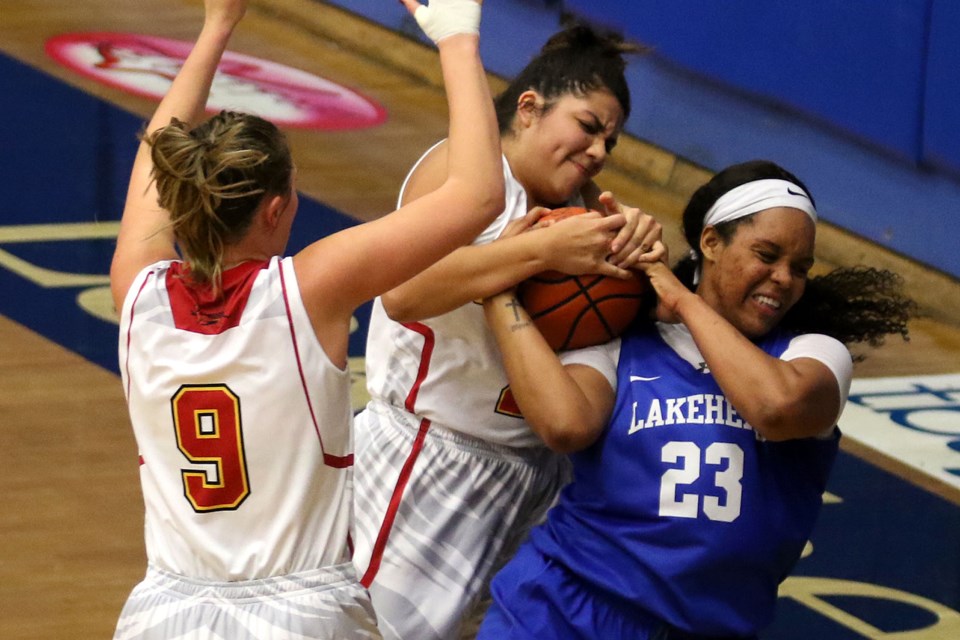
[(448, 368), (242, 424)]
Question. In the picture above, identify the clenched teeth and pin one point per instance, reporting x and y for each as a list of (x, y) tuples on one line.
[(770, 302)]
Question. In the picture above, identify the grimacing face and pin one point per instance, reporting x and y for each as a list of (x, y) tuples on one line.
[(557, 151), (755, 279)]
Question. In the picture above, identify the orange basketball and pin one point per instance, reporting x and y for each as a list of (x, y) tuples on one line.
[(573, 312)]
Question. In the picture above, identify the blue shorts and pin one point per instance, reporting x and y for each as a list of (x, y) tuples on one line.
[(536, 598)]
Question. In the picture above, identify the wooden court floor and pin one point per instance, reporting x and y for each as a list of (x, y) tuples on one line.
[(71, 515)]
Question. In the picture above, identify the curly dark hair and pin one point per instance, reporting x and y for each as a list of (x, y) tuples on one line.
[(852, 304)]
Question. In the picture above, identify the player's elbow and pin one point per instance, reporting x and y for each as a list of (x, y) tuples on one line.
[(399, 307), (495, 197), (485, 198), (488, 203), (567, 435), (788, 420), (567, 442)]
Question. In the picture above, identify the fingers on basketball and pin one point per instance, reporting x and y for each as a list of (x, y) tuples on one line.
[(573, 312)]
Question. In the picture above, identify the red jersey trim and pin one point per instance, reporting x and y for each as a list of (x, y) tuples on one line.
[(196, 308), (429, 340), (338, 462), (133, 311), (386, 526)]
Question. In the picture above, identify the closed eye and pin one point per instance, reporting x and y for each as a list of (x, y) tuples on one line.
[(767, 256), (594, 128), (801, 269)]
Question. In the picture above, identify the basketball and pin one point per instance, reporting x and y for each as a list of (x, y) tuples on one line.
[(573, 312)]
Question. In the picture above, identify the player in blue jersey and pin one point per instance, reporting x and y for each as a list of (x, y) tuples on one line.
[(703, 439)]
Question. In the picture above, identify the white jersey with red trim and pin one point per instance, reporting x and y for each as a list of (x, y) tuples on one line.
[(242, 422), (448, 368)]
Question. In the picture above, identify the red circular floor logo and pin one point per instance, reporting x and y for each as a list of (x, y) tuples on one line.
[(146, 65)]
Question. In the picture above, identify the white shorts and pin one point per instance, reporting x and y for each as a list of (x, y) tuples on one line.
[(436, 514), (325, 603)]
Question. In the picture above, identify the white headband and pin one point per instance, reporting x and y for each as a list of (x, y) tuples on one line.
[(757, 196), (752, 197)]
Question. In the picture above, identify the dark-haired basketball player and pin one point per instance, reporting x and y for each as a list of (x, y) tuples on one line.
[(449, 476), (701, 442)]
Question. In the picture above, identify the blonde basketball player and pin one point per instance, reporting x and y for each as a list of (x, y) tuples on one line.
[(233, 359)]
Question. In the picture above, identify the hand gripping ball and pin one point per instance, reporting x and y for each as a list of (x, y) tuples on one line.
[(573, 312)]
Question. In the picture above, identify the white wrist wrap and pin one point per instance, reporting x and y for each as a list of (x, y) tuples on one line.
[(444, 18)]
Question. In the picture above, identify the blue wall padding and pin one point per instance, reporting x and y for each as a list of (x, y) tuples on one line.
[(941, 117), (521, 27), (856, 64), (880, 196)]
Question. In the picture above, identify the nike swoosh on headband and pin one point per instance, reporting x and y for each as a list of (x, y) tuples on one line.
[(797, 193)]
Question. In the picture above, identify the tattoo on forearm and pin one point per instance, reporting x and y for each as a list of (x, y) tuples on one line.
[(519, 322), (515, 305)]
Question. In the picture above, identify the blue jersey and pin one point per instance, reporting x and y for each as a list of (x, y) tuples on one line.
[(680, 508)]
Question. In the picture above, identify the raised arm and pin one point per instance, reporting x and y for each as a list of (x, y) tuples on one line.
[(342, 271), (568, 406), (145, 236), (581, 245)]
